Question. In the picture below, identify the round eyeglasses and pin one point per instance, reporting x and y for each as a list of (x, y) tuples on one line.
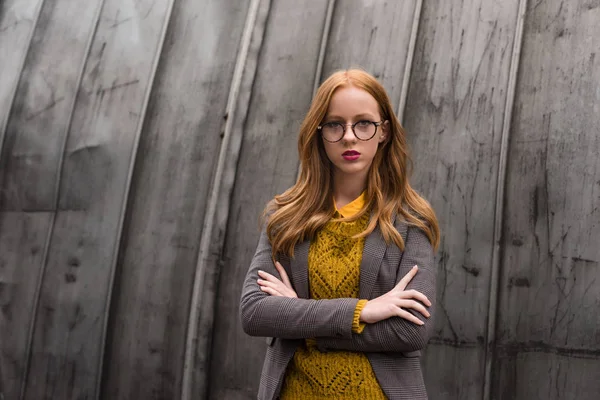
[(334, 131)]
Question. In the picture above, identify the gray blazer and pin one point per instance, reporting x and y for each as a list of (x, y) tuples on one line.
[(392, 345)]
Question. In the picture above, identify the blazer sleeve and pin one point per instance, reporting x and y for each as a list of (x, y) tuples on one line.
[(289, 318), (397, 334)]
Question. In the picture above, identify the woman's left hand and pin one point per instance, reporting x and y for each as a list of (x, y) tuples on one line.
[(276, 287)]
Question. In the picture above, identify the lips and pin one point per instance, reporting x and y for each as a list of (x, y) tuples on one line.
[(350, 155)]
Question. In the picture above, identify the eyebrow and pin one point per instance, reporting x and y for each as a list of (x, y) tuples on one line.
[(356, 117)]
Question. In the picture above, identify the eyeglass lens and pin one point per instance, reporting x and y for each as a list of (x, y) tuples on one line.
[(334, 131)]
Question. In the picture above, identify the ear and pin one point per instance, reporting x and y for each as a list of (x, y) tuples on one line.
[(385, 131)]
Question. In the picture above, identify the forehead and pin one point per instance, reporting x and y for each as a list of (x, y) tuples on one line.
[(349, 101)]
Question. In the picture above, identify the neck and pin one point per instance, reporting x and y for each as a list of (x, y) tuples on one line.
[(347, 188)]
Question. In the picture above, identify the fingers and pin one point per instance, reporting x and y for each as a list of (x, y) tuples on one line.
[(274, 289), (409, 317), (414, 294), (415, 305), (276, 284), (267, 276), (283, 274), (273, 286), (270, 291), (407, 278)]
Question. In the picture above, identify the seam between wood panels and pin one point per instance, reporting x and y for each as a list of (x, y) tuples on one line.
[(132, 160), (409, 60), (50, 231), (13, 94), (321, 59), (191, 343), (499, 208), (323, 47)]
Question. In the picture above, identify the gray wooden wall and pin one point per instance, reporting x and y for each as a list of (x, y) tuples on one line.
[(140, 140)]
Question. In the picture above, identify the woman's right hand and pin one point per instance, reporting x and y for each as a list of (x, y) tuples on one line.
[(395, 302)]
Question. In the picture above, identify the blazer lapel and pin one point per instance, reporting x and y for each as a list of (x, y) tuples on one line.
[(373, 252), (299, 267)]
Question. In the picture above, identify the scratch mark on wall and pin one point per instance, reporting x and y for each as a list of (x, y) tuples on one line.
[(43, 110)]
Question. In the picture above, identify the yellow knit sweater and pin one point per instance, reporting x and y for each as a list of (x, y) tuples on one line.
[(333, 271)]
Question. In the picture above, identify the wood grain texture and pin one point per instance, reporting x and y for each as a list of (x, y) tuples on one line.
[(373, 35), (17, 24), (539, 374), (30, 164), (548, 320), (176, 161), (499, 206), (22, 236), (196, 379), (443, 361), (267, 165), (454, 115), (22, 247), (69, 328), (40, 115)]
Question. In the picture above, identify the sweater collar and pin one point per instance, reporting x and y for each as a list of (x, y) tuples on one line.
[(353, 207)]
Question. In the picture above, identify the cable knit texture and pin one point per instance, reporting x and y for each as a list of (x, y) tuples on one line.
[(334, 271)]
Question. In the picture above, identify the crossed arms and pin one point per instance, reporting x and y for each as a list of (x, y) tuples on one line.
[(270, 308)]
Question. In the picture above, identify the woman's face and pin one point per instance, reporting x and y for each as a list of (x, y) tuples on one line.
[(351, 157)]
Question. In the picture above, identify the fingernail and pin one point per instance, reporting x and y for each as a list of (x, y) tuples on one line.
[(422, 323), (261, 271), (415, 266), (259, 281)]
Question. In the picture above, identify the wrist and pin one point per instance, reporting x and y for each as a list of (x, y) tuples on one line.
[(361, 315), (358, 324)]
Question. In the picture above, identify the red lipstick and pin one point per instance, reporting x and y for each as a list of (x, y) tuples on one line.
[(351, 155)]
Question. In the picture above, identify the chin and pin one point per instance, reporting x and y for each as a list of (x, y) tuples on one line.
[(352, 170)]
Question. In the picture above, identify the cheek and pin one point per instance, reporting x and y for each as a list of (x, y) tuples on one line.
[(373, 147), (329, 150)]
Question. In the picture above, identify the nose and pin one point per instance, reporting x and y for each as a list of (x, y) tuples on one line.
[(348, 133)]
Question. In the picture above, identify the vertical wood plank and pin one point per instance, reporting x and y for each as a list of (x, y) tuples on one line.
[(40, 115), (267, 165), (548, 341), (454, 119), (202, 310), (30, 162), (22, 243), (177, 158), (490, 352), (375, 36), (69, 328), (17, 23)]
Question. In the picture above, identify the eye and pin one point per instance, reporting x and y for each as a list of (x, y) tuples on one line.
[(331, 125), (363, 124)]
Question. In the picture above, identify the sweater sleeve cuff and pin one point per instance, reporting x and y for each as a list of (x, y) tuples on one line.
[(357, 326)]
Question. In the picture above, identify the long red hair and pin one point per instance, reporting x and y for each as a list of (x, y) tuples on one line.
[(302, 210)]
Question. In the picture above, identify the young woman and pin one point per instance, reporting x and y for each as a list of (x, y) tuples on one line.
[(343, 279)]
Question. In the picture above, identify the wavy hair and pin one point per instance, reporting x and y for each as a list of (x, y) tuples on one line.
[(302, 210)]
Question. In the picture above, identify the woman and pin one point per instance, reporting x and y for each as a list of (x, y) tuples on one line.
[(343, 280)]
